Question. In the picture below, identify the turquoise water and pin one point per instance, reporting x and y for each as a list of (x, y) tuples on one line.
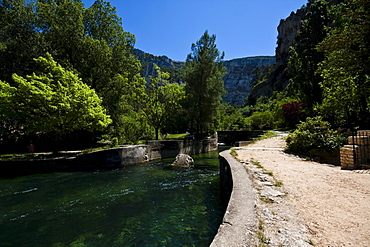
[(141, 205)]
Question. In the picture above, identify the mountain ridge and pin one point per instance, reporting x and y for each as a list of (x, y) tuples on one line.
[(238, 81)]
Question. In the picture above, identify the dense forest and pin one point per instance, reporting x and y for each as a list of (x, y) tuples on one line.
[(69, 78)]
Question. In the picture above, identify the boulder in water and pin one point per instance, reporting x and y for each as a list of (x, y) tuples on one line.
[(183, 160)]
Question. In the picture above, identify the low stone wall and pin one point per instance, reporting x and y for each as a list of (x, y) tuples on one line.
[(108, 158), (232, 137), (171, 148), (240, 219), (99, 160)]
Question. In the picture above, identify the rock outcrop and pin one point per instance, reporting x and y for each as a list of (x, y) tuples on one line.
[(287, 31), (166, 64), (237, 81)]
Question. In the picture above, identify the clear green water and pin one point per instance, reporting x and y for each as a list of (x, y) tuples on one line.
[(141, 205)]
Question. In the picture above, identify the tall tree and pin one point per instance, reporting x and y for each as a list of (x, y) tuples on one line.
[(20, 40), (346, 68), (53, 100), (304, 57), (159, 100), (203, 73)]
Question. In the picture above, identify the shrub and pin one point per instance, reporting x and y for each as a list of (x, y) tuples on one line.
[(314, 134), (114, 142), (261, 120)]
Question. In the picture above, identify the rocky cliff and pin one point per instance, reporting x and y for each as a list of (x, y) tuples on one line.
[(287, 31), (166, 64), (238, 80)]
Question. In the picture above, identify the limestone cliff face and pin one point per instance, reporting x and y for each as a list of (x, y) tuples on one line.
[(287, 31), (237, 81), (148, 61)]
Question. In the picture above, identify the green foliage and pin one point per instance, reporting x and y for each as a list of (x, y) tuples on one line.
[(177, 136), (261, 120), (88, 41), (231, 117), (159, 100), (20, 41), (269, 134), (268, 113), (114, 142), (233, 153), (304, 57), (346, 69), (203, 73), (314, 134), (53, 100)]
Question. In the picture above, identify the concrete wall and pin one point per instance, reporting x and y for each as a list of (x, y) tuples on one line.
[(171, 148), (108, 158), (231, 137), (240, 219)]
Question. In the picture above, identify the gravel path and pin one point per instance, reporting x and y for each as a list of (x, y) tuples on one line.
[(304, 203)]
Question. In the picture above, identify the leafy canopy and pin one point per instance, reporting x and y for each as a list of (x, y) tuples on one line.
[(52, 100)]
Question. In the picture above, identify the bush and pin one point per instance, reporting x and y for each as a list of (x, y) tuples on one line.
[(114, 142), (314, 134), (261, 120)]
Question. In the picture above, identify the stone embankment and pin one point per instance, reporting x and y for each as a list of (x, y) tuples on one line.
[(109, 158)]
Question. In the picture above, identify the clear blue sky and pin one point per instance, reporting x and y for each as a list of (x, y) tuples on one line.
[(169, 27)]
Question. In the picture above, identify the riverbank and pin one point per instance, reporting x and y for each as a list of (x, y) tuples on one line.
[(304, 203)]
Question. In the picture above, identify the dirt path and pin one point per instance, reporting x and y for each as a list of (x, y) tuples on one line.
[(327, 205)]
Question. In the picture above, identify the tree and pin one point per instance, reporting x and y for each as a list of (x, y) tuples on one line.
[(159, 100), (304, 57), (203, 73), (346, 68), (20, 40), (53, 100)]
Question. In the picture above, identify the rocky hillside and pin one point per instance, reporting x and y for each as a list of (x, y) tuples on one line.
[(287, 31), (239, 77), (237, 80)]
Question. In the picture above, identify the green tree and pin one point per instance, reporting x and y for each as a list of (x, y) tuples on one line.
[(346, 68), (304, 57), (203, 73), (20, 40), (53, 100), (159, 100)]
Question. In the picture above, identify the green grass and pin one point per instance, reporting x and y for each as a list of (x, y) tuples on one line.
[(278, 184), (256, 163), (269, 173), (269, 134), (262, 238), (233, 153), (177, 136), (16, 156)]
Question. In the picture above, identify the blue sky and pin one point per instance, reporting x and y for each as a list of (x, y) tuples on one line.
[(169, 27)]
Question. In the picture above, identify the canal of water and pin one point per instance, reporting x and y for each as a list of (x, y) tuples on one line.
[(140, 205)]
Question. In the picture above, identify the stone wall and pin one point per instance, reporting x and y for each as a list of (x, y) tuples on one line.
[(171, 148), (240, 220), (356, 154), (235, 137), (109, 158)]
